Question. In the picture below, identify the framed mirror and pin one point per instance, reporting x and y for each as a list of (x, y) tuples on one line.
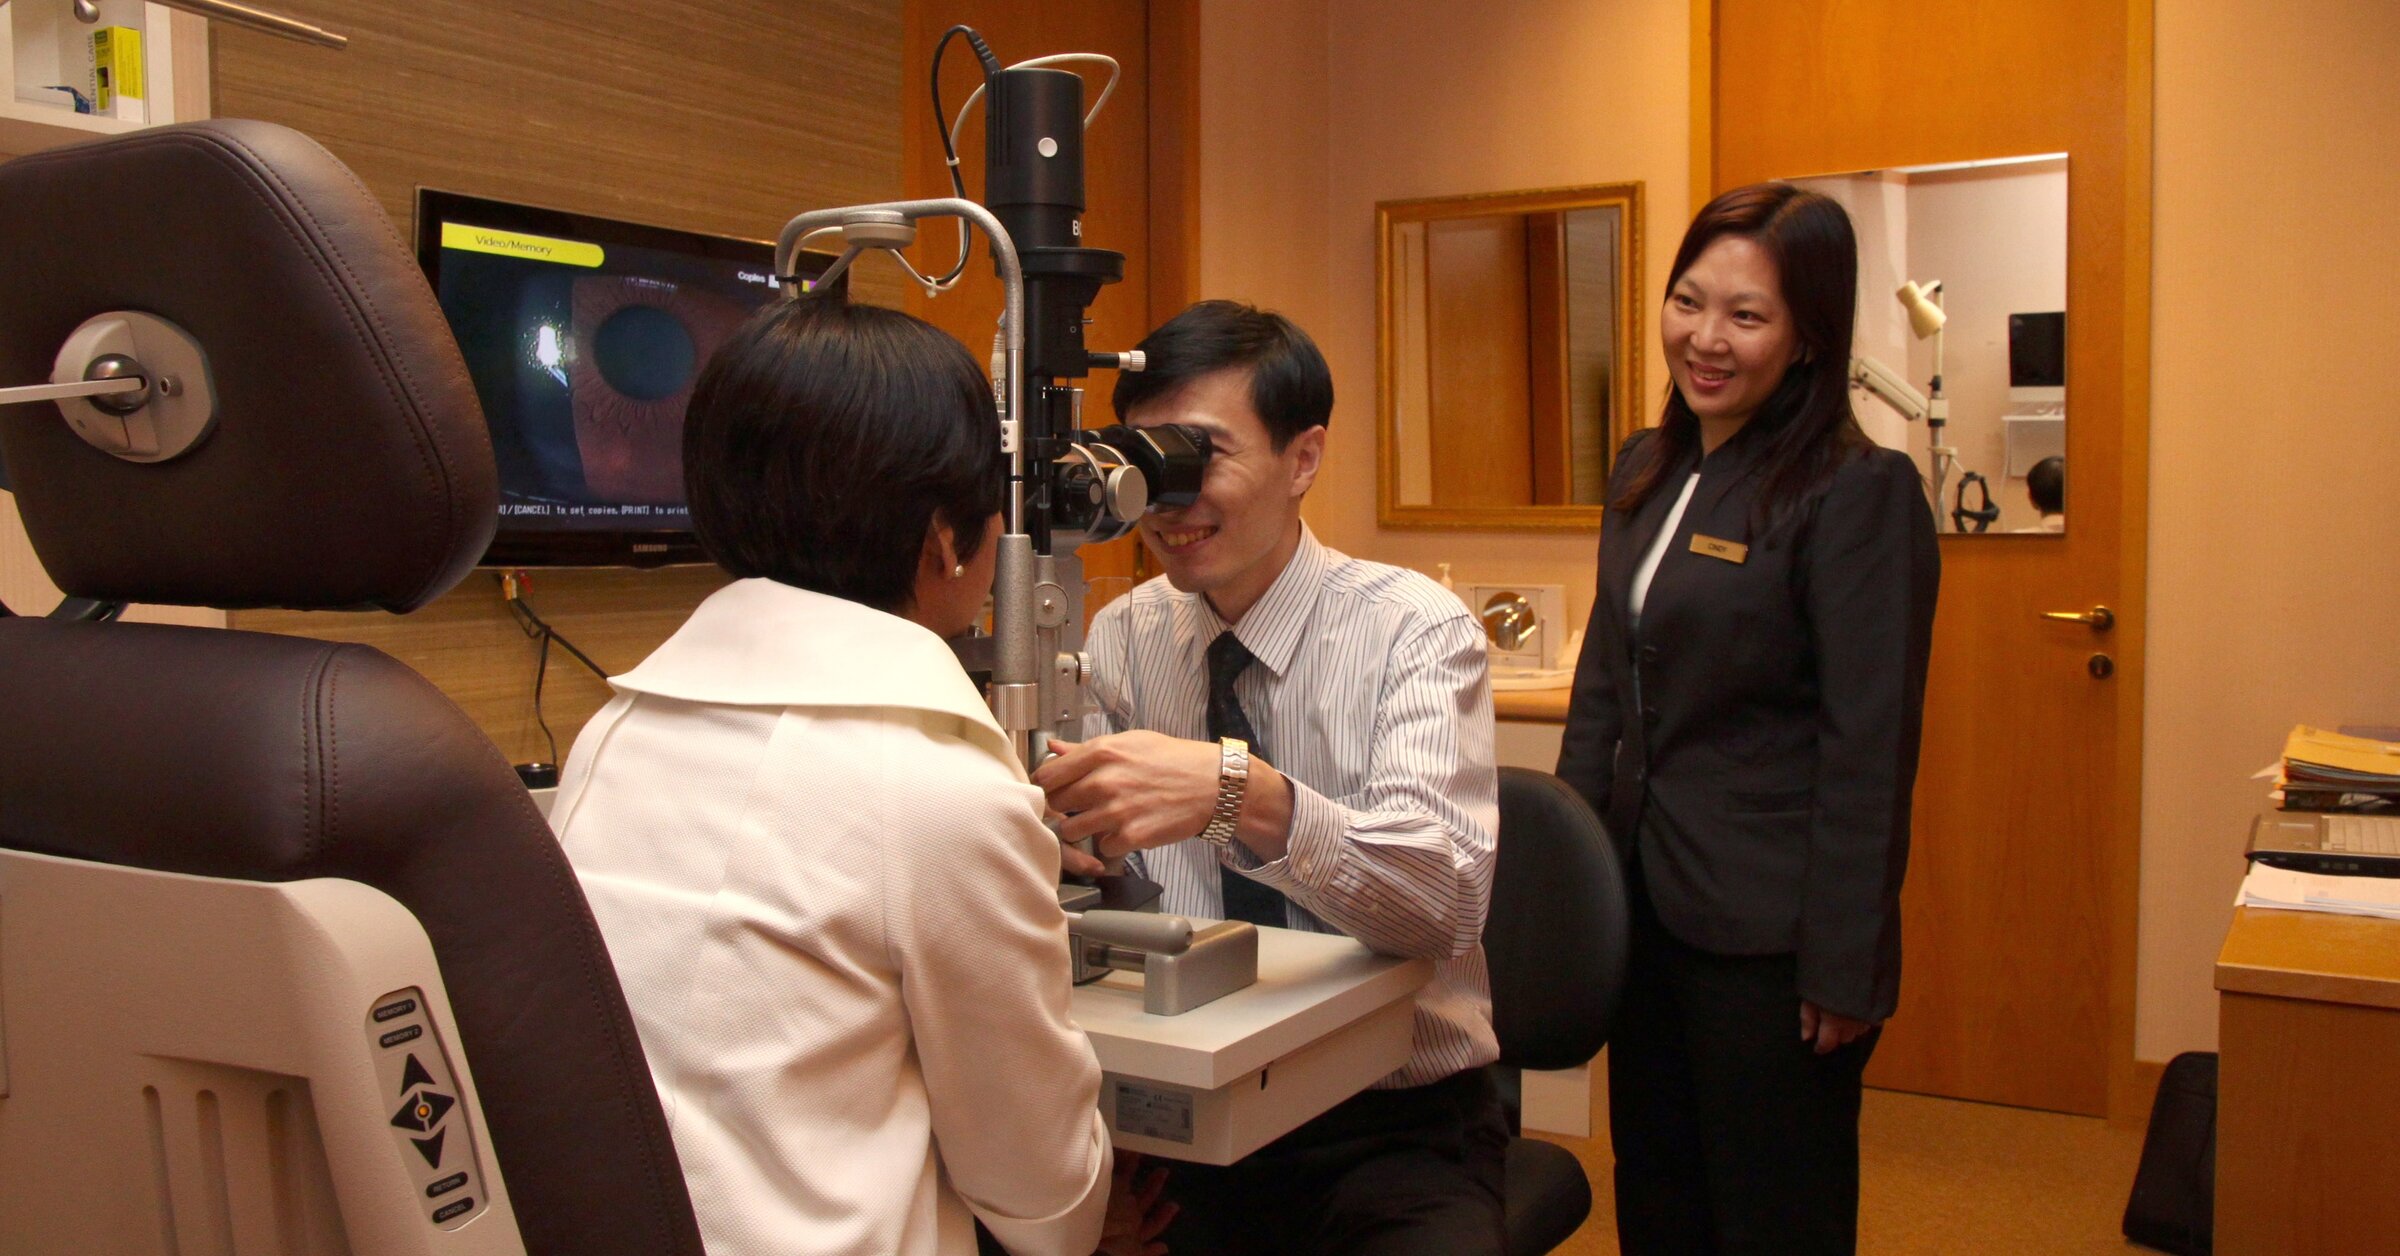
[(1959, 357), (1509, 334)]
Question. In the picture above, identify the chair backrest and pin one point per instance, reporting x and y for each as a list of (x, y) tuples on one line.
[(1556, 937), (150, 774)]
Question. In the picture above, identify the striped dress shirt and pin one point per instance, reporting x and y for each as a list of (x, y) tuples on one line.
[(1371, 690)]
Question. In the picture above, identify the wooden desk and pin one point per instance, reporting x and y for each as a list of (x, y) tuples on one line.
[(1540, 706), (2308, 1085)]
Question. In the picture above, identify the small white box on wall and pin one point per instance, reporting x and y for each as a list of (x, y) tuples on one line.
[(2031, 438)]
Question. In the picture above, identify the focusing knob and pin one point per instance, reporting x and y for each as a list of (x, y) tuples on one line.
[(1128, 493)]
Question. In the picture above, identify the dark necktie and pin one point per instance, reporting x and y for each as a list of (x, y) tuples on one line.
[(1245, 899)]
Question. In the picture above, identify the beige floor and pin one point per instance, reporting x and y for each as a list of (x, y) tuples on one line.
[(1940, 1176)]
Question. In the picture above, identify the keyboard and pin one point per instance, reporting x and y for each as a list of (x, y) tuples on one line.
[(2363, 835)]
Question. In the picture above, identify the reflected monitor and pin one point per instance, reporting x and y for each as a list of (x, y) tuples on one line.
[(584, 336), (2037, 356)]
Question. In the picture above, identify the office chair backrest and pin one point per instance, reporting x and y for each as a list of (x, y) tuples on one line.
[(1556, 936), (285, 948), (1555, 942)]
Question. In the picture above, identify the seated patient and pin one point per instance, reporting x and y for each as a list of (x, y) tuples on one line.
[(820, 870), (2046, 487)]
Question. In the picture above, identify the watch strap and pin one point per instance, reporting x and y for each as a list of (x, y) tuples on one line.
[(1233, 780)]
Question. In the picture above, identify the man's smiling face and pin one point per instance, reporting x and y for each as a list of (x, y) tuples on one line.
[(1232, 542)]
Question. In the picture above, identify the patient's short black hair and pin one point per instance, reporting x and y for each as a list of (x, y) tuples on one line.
[(1290, 386), (2046, 484), (825, 437)]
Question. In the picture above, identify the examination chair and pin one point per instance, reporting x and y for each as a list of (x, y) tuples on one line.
[(288, 960), (1555, 945)]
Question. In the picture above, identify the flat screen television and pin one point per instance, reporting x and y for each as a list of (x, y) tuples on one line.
[(584, 336), (2037, 356)]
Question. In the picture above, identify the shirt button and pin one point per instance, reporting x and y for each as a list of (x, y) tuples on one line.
[(1649, 654), (1650, 713)]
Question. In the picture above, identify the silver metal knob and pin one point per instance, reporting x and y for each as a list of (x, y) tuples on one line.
[(1128, 493)]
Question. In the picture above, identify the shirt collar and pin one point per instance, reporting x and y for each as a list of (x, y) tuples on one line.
[(1270, 630), (759, 643)]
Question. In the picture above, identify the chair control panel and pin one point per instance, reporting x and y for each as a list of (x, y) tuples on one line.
[(435, 1140)]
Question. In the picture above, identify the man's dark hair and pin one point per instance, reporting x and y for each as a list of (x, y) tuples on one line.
[(1290, 386), (2046, 484), (825, 437)]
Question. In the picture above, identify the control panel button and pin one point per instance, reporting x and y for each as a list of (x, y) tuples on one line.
[(428, 1121)]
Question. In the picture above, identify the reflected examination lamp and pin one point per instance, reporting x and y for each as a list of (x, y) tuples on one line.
[(1926, 318)]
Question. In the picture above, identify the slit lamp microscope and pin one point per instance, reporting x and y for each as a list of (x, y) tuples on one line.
[(1067, 486)]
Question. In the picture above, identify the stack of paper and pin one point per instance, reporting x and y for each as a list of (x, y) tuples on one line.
[(2323, 771), (2286, 890)]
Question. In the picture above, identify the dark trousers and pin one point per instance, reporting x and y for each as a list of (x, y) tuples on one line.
[(1732, 1135), (1413, 1171)]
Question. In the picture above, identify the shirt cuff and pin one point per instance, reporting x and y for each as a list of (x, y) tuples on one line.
[(1311, 852)]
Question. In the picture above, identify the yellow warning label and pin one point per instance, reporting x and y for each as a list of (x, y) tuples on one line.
[(517, 244), (116, 66)]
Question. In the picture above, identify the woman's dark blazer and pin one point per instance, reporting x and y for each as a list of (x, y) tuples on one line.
[(1766, 713)]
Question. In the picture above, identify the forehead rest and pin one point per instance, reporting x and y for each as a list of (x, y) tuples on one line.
[(348, 465)]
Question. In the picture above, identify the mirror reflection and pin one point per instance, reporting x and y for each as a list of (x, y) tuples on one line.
[(1960, 352), (1510, 333)]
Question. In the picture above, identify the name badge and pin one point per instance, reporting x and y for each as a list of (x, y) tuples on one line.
[(1730, 551)]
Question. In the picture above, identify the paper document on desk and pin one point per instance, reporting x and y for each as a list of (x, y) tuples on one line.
[(2286, 890)]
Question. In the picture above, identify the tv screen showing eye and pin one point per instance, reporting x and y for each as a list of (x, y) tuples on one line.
[(584, 336)]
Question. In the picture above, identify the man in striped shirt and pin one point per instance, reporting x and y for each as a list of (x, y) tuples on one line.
[(1295, 737)]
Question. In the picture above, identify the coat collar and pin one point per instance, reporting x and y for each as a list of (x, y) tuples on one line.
[(759, 643)]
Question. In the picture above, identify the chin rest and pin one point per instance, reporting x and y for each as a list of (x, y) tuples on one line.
[(228, 859)]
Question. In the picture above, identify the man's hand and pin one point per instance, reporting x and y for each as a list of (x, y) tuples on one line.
[(1071, 859), (1136, 1216), (1829, 1030), (1138, 790)]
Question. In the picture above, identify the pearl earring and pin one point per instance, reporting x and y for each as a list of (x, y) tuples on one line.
[(959, 570)]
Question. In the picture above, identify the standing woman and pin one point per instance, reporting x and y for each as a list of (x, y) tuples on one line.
[(1745, 717)]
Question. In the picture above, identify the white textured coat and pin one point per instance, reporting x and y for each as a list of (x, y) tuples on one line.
[(830, 898)]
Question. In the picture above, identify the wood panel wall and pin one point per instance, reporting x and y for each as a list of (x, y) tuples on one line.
[(725, 118)]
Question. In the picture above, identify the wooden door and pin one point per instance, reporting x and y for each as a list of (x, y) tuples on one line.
[(1475, 338), (1139, 176), (2020, 905)]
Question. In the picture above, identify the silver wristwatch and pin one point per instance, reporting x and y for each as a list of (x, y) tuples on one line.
[(1233, 777)]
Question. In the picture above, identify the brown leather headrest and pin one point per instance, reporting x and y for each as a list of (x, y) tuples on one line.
[(349, 467)]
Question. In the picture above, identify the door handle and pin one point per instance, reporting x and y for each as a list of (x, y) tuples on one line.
[(2099, 618)]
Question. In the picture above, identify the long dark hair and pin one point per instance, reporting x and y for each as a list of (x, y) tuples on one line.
[(1806, 422)]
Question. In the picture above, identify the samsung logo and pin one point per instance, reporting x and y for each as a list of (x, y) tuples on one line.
[(649, 549)]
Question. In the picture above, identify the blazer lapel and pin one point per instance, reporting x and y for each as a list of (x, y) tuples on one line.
[(1622, 549), (1733, 465), (1723, 475)]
